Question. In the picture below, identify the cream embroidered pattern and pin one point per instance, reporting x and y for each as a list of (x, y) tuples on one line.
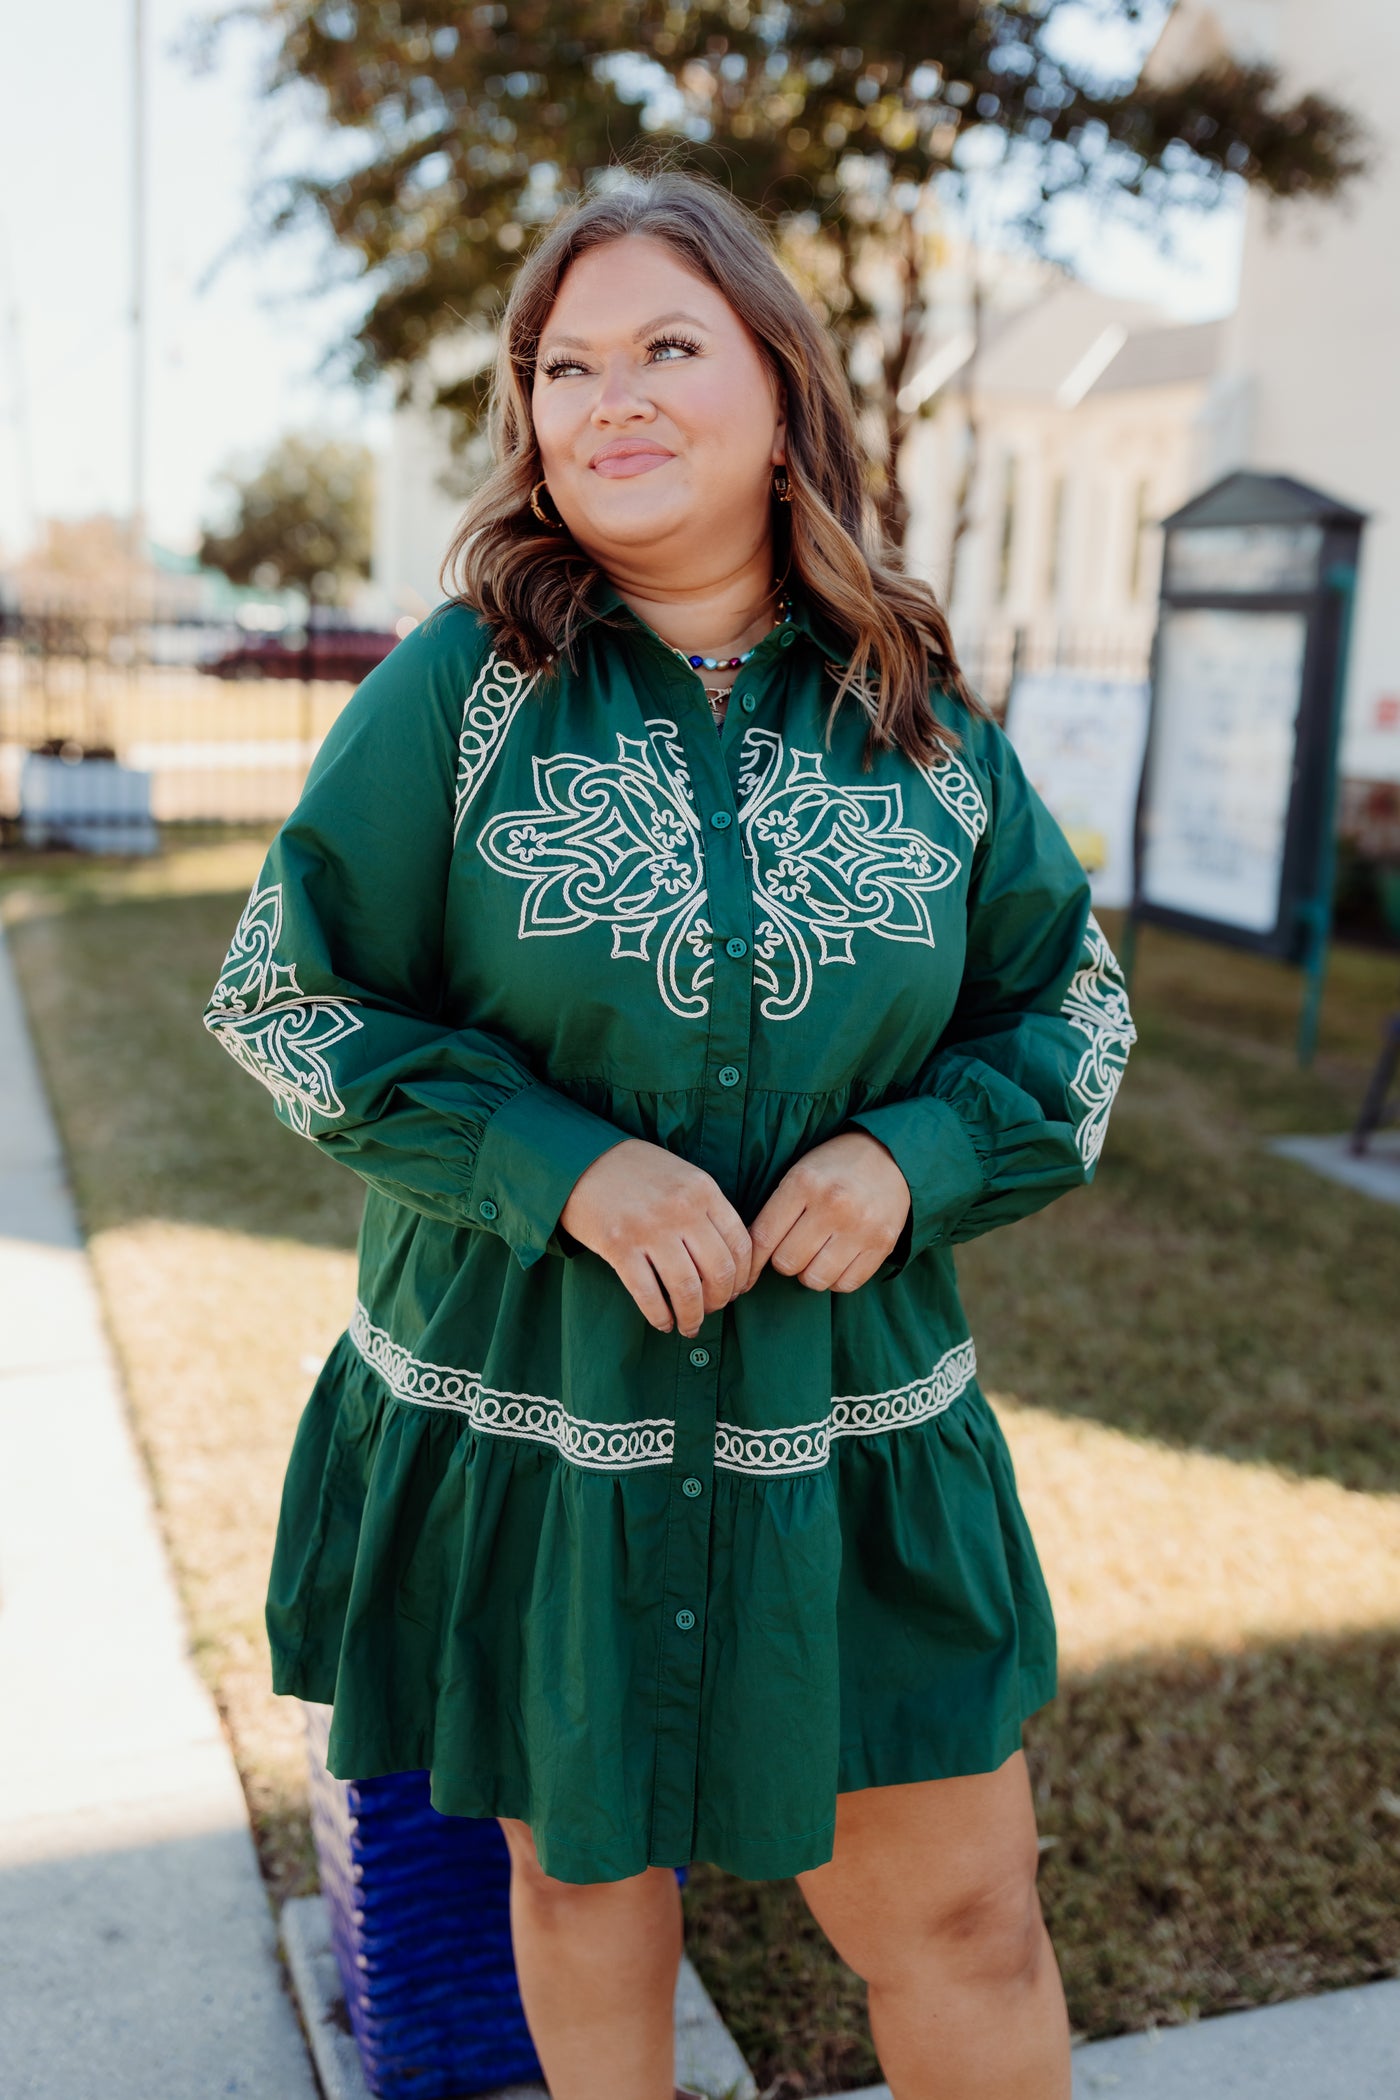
[(619, 842), (616, 842), (829, 863), (610, 1445), (808, 1446), (487, 714), (1096, 1004), (960, 795), (262, 1017), (651, 1441)]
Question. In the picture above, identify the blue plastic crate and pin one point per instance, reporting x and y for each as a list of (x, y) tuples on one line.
[(420, 1919)]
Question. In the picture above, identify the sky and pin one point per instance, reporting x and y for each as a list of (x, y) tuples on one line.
[(233, 346)]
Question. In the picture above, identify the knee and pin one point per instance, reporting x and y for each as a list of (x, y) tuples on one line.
[(985, 1932), (991, 1933)]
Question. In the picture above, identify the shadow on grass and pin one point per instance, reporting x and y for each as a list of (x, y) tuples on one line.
[(1222, 1832)]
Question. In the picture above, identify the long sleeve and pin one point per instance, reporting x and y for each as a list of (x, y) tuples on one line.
[(331, 992), (1010, 1110)]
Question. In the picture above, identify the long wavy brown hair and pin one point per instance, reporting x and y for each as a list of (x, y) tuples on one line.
[(533, 584)]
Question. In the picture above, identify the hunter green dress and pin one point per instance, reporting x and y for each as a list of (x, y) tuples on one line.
[(661, 1597)]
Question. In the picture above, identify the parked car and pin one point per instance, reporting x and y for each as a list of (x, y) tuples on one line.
[(340, 653)]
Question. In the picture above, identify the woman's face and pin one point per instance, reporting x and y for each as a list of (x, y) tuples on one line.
[(657, 420)]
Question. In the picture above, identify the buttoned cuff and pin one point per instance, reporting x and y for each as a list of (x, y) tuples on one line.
[(532, 1152), (930, 1145)]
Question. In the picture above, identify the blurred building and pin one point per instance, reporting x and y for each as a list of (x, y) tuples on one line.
[(1061, 425), (1056, 442), (1060, 432), (421, 484), (1306, 383)]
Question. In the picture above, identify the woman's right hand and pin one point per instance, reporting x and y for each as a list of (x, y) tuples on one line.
[(666, 1227)]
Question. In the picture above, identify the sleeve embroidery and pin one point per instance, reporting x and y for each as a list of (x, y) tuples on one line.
[(1096, 1005), (261, 1016)]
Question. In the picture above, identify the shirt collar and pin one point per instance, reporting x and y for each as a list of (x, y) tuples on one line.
[(605, 600)]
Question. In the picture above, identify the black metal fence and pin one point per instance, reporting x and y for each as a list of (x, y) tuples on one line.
[(116, 722), (994, 659)]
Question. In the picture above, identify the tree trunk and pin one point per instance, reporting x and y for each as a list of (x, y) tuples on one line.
[(972, 445), (897, 422)]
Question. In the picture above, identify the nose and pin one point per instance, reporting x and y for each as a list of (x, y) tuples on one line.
[(621, 395)]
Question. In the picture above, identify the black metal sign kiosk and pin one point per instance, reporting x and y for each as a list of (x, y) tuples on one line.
[(1237, 811)]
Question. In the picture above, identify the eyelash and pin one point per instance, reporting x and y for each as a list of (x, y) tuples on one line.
[(657, 342)]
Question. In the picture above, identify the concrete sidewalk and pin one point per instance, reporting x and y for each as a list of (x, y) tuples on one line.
[(1342, 2046), (138, 1949)]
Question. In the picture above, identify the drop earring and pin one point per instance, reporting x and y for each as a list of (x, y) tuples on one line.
[(781, 487), (551, 524)]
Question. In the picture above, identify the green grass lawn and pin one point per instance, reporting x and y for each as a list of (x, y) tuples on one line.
[(1196, 1365)]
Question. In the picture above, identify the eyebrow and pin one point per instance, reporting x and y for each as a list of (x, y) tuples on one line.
[(578, 342)]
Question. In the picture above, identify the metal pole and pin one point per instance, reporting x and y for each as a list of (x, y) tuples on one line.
[(138, 279), (1317, 912), (1127, 949), (19, 392)]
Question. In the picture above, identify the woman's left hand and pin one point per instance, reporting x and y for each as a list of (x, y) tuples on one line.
[(834, 1217)]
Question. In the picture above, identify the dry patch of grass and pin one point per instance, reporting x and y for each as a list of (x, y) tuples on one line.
[(1197, 1374), (1148, 1548)]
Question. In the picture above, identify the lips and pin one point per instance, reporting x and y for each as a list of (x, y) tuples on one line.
[(619, 462)]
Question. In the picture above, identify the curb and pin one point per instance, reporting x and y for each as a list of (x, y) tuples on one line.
[(708, 2059)]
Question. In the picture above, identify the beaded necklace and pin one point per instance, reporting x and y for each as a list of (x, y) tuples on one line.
[(719, 699)]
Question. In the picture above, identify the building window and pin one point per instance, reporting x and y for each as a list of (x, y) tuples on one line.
[(1008, 526)]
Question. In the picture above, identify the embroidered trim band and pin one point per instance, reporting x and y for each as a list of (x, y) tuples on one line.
[(808, 1447), (487, 714), (609, 1445), (619, 1446), (960, 795)]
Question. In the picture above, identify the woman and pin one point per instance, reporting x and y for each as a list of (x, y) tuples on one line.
[(681, 957)]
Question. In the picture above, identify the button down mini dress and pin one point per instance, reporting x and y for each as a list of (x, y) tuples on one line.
[(661, 1596)]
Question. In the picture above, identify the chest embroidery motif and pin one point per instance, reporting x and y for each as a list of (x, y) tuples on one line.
[(828, 863), (619, 842), (262, 1017)]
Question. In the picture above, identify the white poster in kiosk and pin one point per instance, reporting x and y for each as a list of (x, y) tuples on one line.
[(1081, 742), (1220, 776)]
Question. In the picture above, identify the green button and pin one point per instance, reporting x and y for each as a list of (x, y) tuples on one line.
[(736, 947), (488, 1209), (728, 1075), (749, 703), (721, 820), (692, 1487), (787, 638), (699, 1357), (685, 1620)]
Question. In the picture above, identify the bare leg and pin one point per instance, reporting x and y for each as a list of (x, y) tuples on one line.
[(597, 1963), (930, 1896)]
